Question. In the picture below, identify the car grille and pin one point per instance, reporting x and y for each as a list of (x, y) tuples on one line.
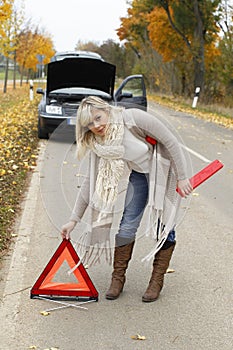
[(70, 110)]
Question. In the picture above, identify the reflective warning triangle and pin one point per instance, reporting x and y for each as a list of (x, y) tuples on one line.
[(46, 284)]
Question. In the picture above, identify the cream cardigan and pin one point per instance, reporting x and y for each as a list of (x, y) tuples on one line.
[(167, 165)]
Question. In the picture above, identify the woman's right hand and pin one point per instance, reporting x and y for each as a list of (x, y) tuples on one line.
[(67, 229), (185, 187)]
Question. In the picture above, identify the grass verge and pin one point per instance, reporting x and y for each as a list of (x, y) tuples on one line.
[(18, 153), (217, 114)]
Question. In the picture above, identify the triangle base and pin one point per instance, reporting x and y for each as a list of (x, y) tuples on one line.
[(63, 297)]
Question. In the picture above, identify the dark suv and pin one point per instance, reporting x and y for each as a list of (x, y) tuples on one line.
[(73, 77)]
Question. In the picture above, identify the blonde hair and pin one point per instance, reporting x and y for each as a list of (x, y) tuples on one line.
[(85, 137)]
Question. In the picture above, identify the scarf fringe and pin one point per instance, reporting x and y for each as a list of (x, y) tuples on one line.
[(156, 249), (92, 255)]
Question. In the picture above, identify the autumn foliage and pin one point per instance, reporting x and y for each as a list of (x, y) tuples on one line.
[(181, 45), (18, 153)]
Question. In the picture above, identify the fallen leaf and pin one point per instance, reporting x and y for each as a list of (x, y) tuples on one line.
[(44, 313), (138, 337), (33, 347), (170, 271), (195, 194)]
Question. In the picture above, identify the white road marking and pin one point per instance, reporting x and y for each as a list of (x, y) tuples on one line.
[(196, 154)]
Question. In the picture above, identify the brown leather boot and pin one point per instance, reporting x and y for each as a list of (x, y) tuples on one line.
[(160, 265), (122, 256)]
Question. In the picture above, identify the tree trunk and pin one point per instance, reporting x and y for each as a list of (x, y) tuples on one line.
[(199, 50), (14, 73), (6, 75), (21, 75)]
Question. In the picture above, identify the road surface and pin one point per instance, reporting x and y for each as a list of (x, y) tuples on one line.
[(195, 309)]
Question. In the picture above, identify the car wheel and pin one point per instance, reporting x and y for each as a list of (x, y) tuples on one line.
[(42, 133)]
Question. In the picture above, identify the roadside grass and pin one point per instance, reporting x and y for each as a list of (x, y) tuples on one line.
[(213, 113), (10, 75), (18, 153)]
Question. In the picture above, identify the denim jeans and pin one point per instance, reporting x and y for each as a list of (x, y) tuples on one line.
[(135, 203)]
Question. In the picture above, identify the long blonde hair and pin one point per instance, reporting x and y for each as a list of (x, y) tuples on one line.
[(85, 137)]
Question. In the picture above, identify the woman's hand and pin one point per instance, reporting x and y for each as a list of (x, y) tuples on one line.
[(67, 229), (185, 187)]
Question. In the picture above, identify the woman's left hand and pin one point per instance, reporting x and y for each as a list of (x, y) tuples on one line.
[(185, 187)]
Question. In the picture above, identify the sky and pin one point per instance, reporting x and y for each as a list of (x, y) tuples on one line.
[(71, 21)]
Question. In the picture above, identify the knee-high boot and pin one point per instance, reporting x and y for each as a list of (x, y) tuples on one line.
[(160, 265), (122, 256)]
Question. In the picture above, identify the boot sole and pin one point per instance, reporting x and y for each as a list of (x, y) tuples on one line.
[(108, 297), (148, 300)]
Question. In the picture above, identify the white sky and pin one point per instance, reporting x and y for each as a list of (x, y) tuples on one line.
[(72, 20)]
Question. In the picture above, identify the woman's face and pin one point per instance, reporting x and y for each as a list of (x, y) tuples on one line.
[(98, 125)]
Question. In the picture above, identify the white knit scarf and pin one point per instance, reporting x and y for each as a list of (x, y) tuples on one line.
[(111, 166)]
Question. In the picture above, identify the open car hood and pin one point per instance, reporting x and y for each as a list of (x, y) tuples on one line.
[(81, 72)]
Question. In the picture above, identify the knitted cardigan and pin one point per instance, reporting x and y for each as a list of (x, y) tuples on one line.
[(167, 165)]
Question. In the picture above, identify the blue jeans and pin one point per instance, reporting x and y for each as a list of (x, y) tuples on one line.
[(135, 203)]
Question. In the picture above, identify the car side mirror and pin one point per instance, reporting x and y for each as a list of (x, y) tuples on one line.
[(40, 91)]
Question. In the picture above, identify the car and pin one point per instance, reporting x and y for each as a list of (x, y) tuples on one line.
[(71, 79)]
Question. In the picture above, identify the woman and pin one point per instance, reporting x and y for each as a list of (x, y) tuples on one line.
[(117, 139)]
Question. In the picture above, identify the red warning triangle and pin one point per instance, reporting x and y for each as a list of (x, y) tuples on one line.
[(81, 288)]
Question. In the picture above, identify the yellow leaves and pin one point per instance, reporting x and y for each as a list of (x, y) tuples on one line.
[(18, 147), (163, 38), (44, 313), (170, 271), (2, 172), (212, 117), (138, 337), (195, 194)]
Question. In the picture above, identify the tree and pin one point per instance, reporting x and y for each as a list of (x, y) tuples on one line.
[(195, 23), (118, 55), (134, 32), (5, 13), (225, 60), (181, 31), (112, 52), (6, 35), (87, 46), (170, 46), (31, 44)]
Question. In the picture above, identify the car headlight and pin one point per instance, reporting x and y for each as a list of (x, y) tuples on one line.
[(54, 109)]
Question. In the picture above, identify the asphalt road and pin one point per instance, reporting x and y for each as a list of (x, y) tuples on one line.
[(195, 309)]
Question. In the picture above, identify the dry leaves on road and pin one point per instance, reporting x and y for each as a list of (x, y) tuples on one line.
[(138, 337)]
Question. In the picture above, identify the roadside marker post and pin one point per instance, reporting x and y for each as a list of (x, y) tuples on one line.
[(195, 99), (31, 94)]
